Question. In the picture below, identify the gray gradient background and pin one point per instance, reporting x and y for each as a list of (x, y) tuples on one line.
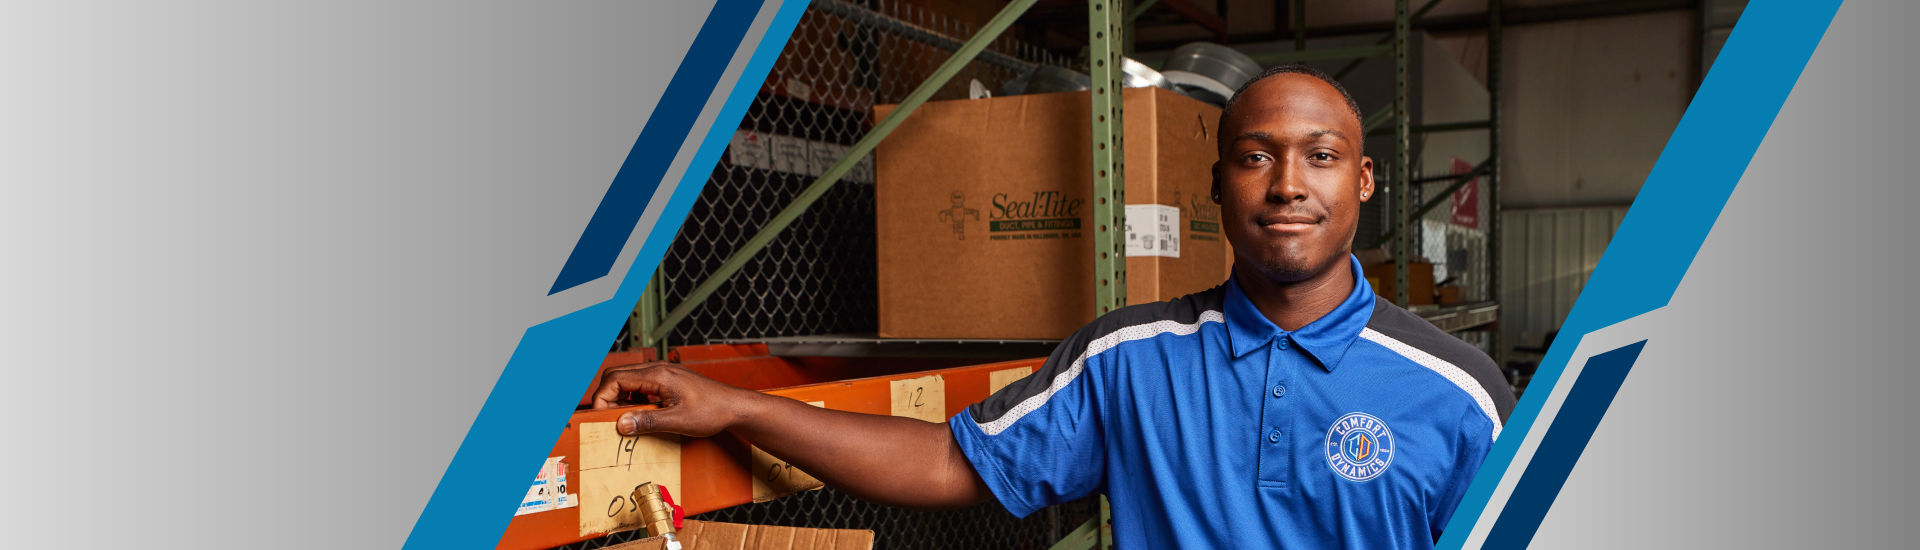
[(1773, 406), (264, 262)]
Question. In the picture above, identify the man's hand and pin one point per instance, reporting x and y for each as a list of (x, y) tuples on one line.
[(891, 460), (690, 404)]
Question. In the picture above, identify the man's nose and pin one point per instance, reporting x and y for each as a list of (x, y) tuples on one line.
[(1288, 184)]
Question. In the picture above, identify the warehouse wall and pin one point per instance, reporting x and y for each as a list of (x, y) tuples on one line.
[(1549, 253), (1588, 106)]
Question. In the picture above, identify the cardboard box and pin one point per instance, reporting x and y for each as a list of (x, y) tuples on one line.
[(699, 535), (1419, 281), (985, 225), (1448, 295)]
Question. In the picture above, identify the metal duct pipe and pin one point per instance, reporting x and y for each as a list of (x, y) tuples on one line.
[(916, 33)]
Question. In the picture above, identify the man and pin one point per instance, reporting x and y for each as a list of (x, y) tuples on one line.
[(1286, 407)]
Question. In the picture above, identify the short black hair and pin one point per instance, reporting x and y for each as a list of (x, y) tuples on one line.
[(1294, 68)]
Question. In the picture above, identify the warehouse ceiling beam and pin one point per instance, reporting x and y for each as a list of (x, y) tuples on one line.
[(1322, 54), (1469, 22), (1439, 127), (961, 57), (1213, 23)]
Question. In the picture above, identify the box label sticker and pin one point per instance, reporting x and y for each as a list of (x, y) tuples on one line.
[(774, 478), (1000, 378), (821, 156), (549, 491), (749, 150), (789, 153), (612, 466), (924, 398), (1153, 230), (800, 90)]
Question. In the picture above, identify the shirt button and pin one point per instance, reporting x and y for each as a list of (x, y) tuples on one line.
[(1274, 437), (1279, 391), (1282, 343)]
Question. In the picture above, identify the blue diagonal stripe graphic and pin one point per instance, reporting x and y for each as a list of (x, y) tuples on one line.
[(516, 427), (606, 233), (1677, 206)]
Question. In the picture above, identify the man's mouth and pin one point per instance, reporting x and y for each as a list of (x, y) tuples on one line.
[(1290, 222)]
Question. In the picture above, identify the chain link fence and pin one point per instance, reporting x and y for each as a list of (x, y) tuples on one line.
[(1457, 245), (984, 526), (819, 276)]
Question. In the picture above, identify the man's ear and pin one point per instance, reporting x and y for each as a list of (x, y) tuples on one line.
[(1216, 182), (1366, 178)]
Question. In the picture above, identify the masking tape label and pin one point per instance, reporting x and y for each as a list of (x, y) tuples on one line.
[(612, 466), (774, 478), (924, 398)]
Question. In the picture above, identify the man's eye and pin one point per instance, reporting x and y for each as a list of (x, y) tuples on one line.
[(1324, 157), (1257, 157)]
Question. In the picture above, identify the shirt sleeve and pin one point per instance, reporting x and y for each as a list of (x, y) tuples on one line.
[(1475, 440), (1039, 441)]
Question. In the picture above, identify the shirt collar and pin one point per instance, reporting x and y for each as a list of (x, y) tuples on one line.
[(1326, 338)]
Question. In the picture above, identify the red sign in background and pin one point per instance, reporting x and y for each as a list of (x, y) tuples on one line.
[(1466, 199)]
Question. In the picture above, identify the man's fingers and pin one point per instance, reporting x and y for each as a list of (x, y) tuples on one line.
[(618, 382), (673, 385)]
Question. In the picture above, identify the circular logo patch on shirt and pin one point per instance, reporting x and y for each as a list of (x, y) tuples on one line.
[(1359, 446)]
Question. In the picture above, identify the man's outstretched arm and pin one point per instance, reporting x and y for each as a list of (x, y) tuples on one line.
[(885, 459)]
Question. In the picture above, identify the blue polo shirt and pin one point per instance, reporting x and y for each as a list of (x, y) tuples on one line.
[(1208, 426)]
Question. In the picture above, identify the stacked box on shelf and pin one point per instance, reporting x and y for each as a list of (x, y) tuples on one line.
[(985, 224)]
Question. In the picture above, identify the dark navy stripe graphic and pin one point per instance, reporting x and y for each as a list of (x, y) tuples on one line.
[(672, 120), (1586, 403)]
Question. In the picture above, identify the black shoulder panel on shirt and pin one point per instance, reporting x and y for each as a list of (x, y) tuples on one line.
[(1391, 320), (1184, 310)]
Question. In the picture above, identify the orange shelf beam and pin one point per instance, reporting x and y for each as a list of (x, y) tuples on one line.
[(714, 471)]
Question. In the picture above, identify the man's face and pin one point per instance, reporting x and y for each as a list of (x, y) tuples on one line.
[(1291, 178)]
